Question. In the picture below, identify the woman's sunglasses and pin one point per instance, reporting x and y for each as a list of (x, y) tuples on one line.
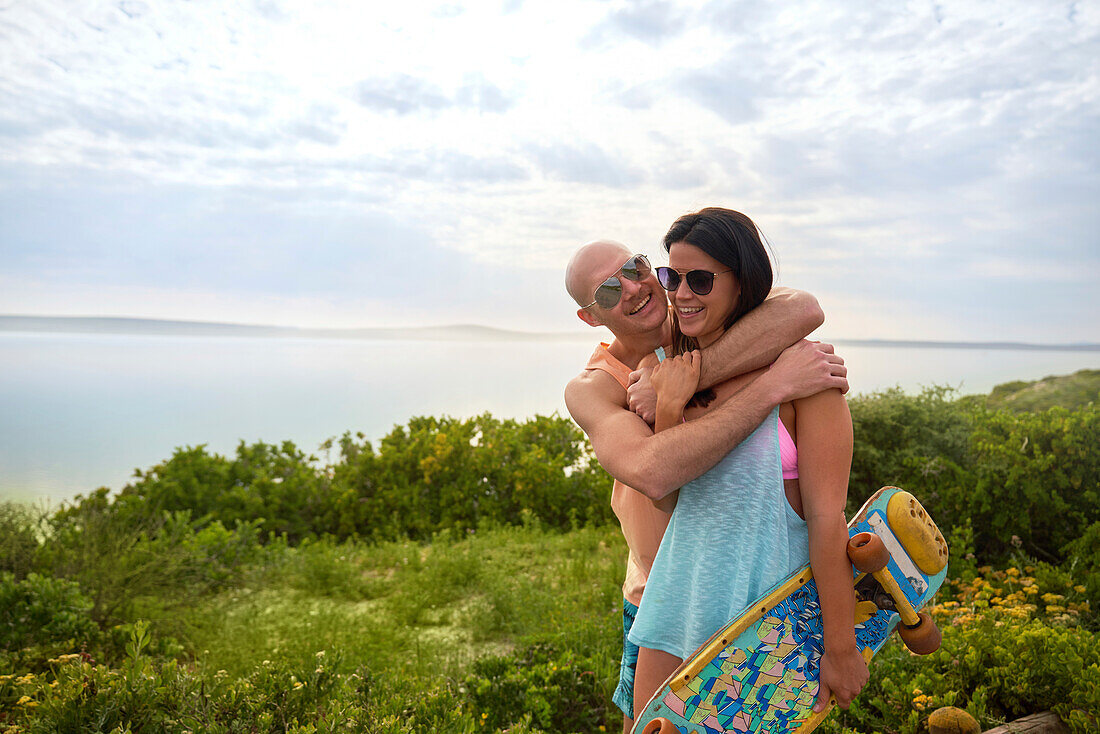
[(699, 281), (611, 290)]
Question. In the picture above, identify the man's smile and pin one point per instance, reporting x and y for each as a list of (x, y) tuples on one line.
[(641, 305)]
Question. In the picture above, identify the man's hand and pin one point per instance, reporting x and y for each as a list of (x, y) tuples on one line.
[(807, 368), (842, 677), (676, 380), (641, 396)]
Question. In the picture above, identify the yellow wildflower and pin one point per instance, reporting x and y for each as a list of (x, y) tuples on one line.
[(1079, 588)]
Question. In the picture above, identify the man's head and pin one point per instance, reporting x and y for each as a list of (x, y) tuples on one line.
[(642, 305)]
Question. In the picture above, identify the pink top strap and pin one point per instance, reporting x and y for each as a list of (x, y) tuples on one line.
[(788, 453)]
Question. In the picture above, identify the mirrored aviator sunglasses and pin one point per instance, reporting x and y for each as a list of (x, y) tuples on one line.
[(611, 290), (699, 281)]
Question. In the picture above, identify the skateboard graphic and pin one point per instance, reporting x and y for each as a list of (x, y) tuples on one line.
[(759, 673)]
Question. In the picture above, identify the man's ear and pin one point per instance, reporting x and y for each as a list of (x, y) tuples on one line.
[(584, 315)]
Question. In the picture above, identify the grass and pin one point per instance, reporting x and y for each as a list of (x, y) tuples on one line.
[(412, 609)]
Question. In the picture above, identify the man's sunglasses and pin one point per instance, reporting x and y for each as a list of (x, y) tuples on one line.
[(699, 281), (611, 290)]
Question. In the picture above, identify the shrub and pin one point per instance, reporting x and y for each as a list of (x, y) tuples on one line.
[(1014, 642), (913, 441), (547, 688), (122, 559), (1037, 480), (444, 473), (36, 612), (1064, 391), (19, 526), (278, 486)]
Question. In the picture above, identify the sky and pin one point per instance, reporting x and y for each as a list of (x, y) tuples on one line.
[(928, 170)]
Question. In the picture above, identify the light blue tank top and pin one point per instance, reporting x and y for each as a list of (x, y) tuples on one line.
[(732, 536)]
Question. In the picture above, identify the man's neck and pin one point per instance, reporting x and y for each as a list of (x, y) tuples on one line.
[(630, 349)]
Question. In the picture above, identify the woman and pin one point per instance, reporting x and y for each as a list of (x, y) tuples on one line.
[(771, 505)]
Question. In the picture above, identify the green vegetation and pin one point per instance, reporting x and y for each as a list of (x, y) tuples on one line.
[(464, 577), (1064, 391)]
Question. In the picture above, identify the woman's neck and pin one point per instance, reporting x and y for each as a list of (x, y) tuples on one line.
[(705, 340)]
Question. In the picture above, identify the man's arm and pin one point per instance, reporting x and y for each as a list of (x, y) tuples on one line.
[(657, 464), (758, 337), (755, 341)]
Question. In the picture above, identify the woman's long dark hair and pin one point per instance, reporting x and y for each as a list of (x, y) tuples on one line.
[(732, 239)]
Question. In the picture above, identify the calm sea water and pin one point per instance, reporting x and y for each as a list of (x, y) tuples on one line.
[(82, 411)]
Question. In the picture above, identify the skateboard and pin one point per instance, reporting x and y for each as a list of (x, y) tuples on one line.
[(759, 673)]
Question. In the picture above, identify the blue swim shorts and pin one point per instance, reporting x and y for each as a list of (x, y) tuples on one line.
[(624, 693)]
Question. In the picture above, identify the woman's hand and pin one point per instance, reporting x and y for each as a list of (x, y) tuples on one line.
[(843, 675), (676, 380)]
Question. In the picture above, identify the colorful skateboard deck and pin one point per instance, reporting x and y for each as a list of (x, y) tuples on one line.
[(760, 672)]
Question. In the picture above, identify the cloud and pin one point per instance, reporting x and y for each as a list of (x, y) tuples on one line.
[(894, 153), (650, 21), (403, 94), (583, 163), (445, 166), (480, 94), (724, 91), (450, 10)]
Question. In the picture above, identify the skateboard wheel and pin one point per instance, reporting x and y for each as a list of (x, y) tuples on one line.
[(867, 552), (660, 725), (924, 638)]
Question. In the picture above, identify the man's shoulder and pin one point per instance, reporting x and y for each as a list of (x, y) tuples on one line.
[(592, 380), (593, 390)]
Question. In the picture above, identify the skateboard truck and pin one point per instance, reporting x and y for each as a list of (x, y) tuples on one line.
[(922, 541)]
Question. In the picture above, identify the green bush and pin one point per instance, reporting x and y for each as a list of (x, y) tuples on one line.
[(542, 686), (993, 667), (444, 473), (1017, 478), (279, 487), (38, 610), (1038, 479), (1083, 560), (124, 559), (1064, 391), (919, 442), (19, 529)]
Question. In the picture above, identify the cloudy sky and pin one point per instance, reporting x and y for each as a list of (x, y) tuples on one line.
[(929, 170)]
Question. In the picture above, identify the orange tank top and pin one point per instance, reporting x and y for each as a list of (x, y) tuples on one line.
[(643, 524)]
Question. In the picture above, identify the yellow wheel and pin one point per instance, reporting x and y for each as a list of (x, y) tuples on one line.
[(867, 552), (924, 638)]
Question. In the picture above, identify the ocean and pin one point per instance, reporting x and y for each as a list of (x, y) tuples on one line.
[(81, 411)]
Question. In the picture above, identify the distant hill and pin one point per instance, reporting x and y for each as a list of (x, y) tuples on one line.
[(158, 327), (1067, 391)]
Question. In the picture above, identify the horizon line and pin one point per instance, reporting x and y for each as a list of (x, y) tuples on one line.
[(438, 332)]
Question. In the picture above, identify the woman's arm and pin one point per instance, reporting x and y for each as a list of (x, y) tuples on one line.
[(824, 441), (676, 379)]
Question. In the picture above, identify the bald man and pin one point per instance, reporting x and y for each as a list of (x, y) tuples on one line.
[(618, 289)]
